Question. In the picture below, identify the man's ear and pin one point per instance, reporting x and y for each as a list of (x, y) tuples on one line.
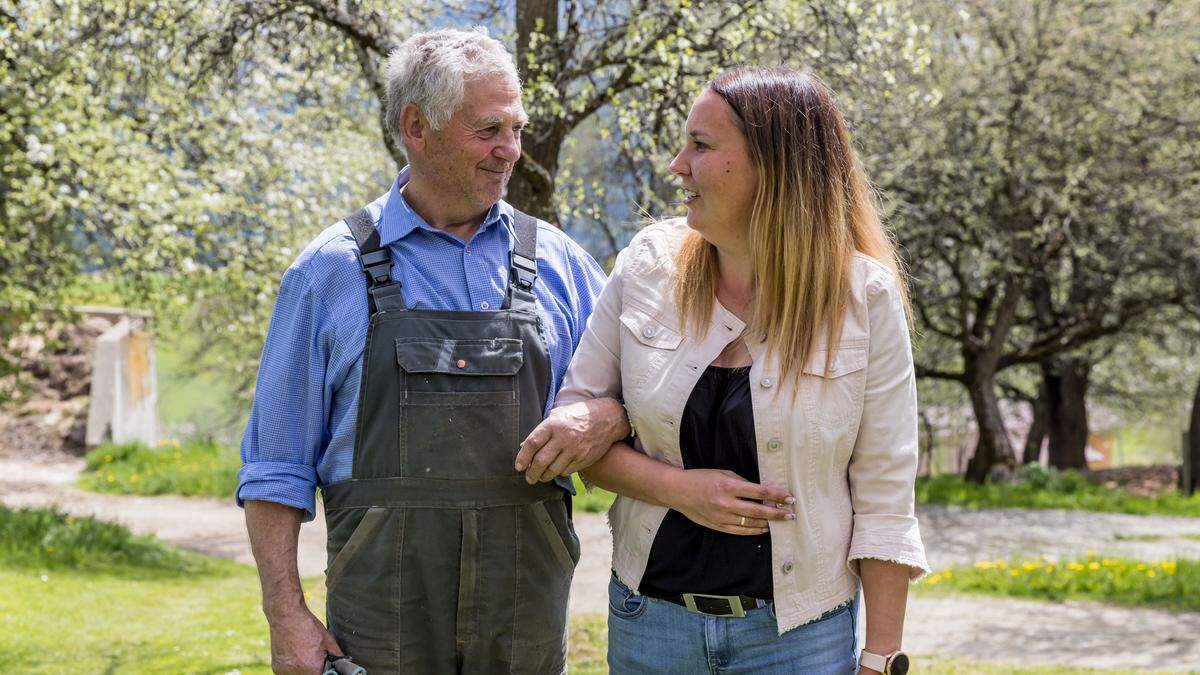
[(413, 127)]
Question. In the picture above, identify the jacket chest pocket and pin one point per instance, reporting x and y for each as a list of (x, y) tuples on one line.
[(647, 345), (459, 406), (833, 397)]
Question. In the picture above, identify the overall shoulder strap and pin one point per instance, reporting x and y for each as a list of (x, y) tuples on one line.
[(383, 292), (522, 273)]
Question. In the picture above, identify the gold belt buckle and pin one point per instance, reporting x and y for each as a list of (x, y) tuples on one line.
[(735, 604)]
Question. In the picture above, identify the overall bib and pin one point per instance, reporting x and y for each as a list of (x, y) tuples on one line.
[(442, 559)]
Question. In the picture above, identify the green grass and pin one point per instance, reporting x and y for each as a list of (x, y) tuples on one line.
[(195, 468), (1171, 584), (44, 539), (597, 501), (213, 625), (1040, 488)]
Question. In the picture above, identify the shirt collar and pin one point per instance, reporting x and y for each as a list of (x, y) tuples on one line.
[(398, 219)]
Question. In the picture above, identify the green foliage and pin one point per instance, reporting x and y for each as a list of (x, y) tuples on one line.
[(1172, 584), (195, 468), (596, 501), (45, 539), (1039, 488)]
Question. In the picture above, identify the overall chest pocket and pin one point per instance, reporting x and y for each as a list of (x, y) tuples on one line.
[(647, 344), (459, 405), (834, 397)]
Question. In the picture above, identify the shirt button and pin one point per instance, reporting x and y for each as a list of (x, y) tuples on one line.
[(766, 382), (484, 305), (787, 567), (648, 331), (461, 364), (773, 444)]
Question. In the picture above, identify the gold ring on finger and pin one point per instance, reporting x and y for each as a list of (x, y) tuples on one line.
[(743, 522)]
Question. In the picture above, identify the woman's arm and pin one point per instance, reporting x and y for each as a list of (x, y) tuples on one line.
[(885, 590), (886, 543), (715, 499)]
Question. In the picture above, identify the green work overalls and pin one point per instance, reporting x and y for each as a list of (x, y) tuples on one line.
[(442, 559)]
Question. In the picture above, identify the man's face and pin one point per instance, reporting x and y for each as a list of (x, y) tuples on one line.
[(471, 158)]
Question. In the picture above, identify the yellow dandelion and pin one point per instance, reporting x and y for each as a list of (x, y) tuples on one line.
[(1013, 573), (1001, 564), (108, 458), (70, 520), (984, 565), (111, 478), (1075, 567), (1150, 573), (134, 478), (1091, 554), (1093, 565), (1141, 566), (1029, 566)]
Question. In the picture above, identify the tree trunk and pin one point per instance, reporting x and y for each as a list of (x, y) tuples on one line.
[(1066, 382), (1193, 448), (531, 188), (1037, 428), (993, 448)]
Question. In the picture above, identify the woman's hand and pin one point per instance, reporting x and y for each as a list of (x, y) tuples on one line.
[(721, 500)]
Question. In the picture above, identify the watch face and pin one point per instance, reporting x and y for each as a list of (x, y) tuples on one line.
[(899, 665)]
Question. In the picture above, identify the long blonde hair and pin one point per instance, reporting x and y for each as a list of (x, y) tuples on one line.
[(813, 209)]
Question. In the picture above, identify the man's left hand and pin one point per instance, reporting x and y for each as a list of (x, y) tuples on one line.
[(571, 439)]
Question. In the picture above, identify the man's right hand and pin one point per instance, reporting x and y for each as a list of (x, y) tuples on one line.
[(299, 643)]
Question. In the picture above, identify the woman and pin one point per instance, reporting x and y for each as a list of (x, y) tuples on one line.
[(762, 351)]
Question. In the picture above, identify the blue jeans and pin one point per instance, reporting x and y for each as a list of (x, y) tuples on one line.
[(648, 635)]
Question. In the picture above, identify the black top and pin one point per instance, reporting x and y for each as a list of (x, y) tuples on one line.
[(717, 432)]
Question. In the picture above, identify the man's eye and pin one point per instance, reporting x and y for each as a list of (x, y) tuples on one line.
[(699, 145), (489, 132)]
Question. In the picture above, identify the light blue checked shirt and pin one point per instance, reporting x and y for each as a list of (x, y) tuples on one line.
[(300, 434)]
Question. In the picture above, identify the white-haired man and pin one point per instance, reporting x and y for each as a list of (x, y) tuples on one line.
[(412, 347)]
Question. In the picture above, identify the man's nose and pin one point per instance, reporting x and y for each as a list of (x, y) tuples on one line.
[(509, 147)]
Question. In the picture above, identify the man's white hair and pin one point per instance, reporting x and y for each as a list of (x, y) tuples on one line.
[(429, 70)]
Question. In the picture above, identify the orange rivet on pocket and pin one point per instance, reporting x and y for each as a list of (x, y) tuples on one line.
[(461, 363)]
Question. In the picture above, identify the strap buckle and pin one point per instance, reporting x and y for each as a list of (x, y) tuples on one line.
[(714, 605), (524, 271)]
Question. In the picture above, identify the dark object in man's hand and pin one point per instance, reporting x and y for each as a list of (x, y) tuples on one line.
[(341, 665)]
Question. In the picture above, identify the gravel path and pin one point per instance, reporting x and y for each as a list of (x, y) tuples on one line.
[(973, 627)]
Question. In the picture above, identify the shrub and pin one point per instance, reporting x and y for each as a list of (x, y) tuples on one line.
[(48, 539)]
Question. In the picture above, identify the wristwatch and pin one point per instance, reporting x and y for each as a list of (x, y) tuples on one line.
[(895, 663)]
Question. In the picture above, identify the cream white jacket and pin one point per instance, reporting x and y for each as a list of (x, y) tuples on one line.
[(845, 445)]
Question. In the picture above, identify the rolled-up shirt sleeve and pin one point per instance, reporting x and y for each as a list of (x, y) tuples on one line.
[(883, 465), (287, 429)]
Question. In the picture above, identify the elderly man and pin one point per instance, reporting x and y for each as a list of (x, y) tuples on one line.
[(412, 347)]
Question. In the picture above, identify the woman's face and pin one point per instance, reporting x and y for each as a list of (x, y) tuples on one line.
[(717, 174)]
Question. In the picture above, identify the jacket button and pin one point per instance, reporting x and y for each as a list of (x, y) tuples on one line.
[(648, 331), (461, 364), (787, 567), (773, 444), (766, 382)]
